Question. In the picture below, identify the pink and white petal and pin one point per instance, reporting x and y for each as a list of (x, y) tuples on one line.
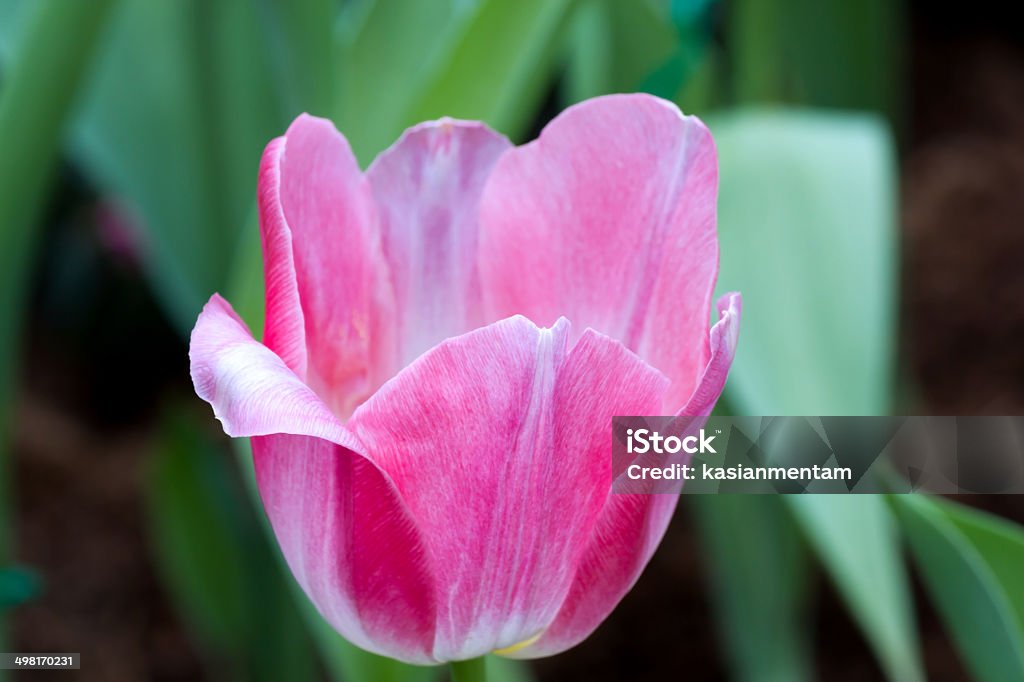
[(326, 280), (627, 532), (427, 188), (285, 332), (344, 531), (609, 219), (350, 543), (499, 443), (630, 527), (252, 391), (724, 337)]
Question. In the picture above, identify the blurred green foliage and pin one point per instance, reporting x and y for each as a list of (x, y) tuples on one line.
[(17, 586), (856, 539), (39, 84), (750, 542), (493, 63), (179, 97), (972, 566), (807, 223), (840, 54), (174, 123), (807, 230)]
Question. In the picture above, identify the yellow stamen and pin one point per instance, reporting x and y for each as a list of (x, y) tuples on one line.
[(516, 647)]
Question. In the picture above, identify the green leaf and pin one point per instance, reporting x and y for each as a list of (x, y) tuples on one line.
[(855, 537), (588, 67), (488, 60), (749, 543), (496, 70), (47, 61), (185, 97), (13, 16), (693, 58), (400, 43), (216, 561), (1001, 544), (971, 564), (843, 54), (176, 118), (806, 226), (245, 286), (300, 36), (614, 46)]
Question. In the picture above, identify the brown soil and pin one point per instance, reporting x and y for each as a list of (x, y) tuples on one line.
[(81, 525), (964, 232)]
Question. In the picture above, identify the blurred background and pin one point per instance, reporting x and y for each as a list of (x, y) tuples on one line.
[(871, 212)]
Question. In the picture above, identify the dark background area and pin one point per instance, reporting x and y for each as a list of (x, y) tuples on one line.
[(101, 358)]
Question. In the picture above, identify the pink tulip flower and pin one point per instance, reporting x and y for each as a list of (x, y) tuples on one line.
[(448, 336)]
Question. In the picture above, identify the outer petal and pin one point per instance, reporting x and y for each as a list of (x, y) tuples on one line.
[(627, 533), (724, 337), (427, 187), (609, 219), (350, 542), (630, 527), (285, 332), (328, 305), (499, 443), (345, 533), (251, 390)]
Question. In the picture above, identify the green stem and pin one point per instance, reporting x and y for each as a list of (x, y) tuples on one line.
[(473, 670)]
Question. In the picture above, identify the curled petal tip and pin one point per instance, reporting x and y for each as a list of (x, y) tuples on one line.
[(724, 339)]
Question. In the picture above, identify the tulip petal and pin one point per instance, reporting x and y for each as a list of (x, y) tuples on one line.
[(328, 305), (350, 543), (631, 526), (499, 442), (252, 391), (345, 533), (285, 328), (724, 337), (624, 539), (427, 187), (609, 219)]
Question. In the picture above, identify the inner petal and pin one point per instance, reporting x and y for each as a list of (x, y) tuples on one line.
[(427, 188)]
